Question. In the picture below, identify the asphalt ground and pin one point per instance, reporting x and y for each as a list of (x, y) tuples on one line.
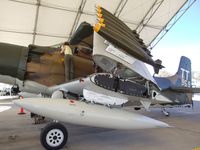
[(18, 132)]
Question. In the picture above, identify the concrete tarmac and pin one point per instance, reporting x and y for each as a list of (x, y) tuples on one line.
[(18, 132)]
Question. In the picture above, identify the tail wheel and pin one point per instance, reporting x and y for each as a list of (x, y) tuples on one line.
[(166, 113), (54, 136)]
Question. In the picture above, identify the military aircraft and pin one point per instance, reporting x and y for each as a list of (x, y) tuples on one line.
[(36, 69), (105, 73)]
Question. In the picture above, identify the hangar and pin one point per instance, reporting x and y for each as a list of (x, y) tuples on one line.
[(95, 98), (48, 22)]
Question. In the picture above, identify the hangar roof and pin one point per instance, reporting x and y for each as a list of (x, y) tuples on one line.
[(49, 22)]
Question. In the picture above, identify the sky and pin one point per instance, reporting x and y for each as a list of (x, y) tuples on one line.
[(182, 39)]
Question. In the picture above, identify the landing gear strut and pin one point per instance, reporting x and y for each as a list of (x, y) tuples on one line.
[(54, 136), (37, 118), (166, 113)]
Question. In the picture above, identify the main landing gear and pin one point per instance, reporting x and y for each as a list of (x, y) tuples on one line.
[(166, 113), (37, 118), (54, 136)]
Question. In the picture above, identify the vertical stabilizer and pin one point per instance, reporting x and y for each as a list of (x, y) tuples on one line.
[(184, 73), (182, 78)]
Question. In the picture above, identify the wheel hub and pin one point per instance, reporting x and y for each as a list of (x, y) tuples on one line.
[(54, 137)]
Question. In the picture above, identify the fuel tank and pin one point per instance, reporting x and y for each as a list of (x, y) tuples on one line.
[(81, 113)]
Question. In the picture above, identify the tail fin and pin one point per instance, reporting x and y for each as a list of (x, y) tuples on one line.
[(182, 78), (184, 73)]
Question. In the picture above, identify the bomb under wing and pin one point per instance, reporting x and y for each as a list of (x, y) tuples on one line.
[(116, 32), (105, 17), (81, 113)]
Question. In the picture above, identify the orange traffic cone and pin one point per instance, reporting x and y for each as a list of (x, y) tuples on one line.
[(21, 112)]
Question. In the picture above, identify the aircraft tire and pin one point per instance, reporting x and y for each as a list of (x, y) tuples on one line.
[(168, 114), (54, 136)]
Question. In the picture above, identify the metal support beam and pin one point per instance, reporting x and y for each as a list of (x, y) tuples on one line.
[(31, 33), (129, 21), (120, 7), (171, 23), (15, 31), (23, 2), (50, 35), (56, 7), (36, 21), (149, 15), (77, 18)]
